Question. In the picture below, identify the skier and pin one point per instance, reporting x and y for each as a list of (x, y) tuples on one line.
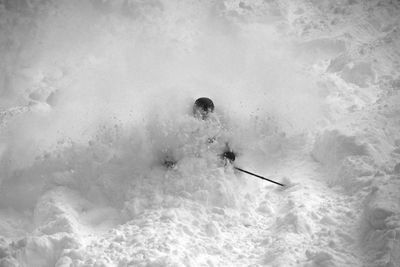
[(202, 109)]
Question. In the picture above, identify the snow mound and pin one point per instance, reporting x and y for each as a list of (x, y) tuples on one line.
[(36, 250), (346, 160), (382, 224), (332, 146), (357, 73)]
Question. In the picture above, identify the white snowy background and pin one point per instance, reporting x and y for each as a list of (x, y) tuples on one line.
[(94, 93)]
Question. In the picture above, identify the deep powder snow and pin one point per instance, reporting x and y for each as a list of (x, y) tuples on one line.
[(94, 95)]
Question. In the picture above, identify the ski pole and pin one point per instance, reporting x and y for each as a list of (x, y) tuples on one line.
[(258, 176)]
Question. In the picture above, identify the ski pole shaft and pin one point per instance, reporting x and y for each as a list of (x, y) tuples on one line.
[(258, 176)]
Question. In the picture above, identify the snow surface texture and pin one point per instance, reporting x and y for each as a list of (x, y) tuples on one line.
[(94, 95)]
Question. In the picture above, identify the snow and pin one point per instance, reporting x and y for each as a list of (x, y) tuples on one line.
[(95, 95)]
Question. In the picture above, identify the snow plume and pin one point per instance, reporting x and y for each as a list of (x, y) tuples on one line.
[(75, 65)]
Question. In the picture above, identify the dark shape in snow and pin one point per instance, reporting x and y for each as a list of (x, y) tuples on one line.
[(169, 162), (202, 107), (229, 156)]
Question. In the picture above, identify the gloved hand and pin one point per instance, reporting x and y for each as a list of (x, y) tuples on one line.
[(229, 156)]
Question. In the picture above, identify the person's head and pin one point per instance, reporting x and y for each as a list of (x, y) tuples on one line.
[(202, 107)]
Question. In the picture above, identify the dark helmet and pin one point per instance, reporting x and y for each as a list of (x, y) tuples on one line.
[(202, 107)]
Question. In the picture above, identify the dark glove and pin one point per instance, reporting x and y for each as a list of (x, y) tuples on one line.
[(229, 155)]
